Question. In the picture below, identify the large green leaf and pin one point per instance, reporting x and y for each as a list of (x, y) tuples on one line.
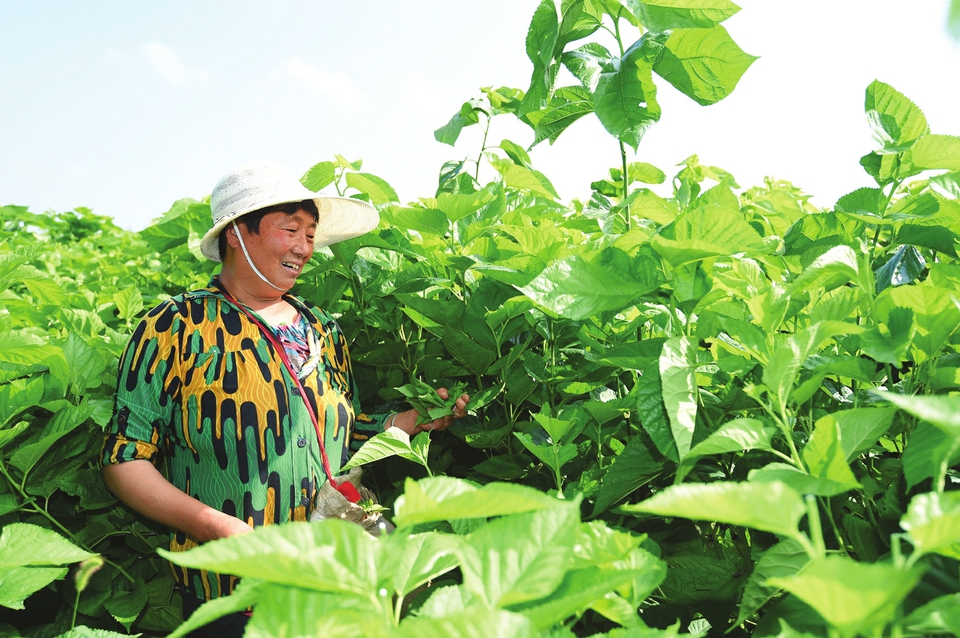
[(581, 587), (904, 266), (771, 507), (443, 498), (567, 106), (930, 453), (31, 558), (851, 596), (703, 64), (377, 188), (15, 397), (393, 442), (941, 411), (295, 612), (708, 231), (554, 455), (653, 413), (586, 63), (469, 623), (576, 288), (890, 345), (523, 178), (784, 559), (63, 423), (737, 435), (895, 121), (661, 15), (328, 556), (625, 98), (825, 457), (940, 616), (799, 480), (319, 176), (936, 313), (410, 561), (634, 467), (937, 151), (519, 558), (678, 365), (933, 523)]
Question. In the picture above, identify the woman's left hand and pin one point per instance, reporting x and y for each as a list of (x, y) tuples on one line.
[(407, 421)]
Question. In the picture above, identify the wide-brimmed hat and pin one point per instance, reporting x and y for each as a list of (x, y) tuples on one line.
[(259, 185)]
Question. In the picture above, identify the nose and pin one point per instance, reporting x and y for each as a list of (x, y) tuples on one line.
[(303, 245)]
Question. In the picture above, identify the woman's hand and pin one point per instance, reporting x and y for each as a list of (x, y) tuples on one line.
[(407, 421)]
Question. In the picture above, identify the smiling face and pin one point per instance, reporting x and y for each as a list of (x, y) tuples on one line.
[(280, 249)]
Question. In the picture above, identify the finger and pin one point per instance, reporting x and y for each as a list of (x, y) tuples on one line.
[(442, 392)]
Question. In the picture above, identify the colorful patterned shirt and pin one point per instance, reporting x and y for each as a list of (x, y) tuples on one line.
[(200, 386)]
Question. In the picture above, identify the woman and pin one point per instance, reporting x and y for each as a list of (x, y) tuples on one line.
[(236, 385)]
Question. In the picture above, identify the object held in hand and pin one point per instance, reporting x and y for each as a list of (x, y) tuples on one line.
[(332, 504)]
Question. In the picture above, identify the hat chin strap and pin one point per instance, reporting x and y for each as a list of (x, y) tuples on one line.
[(250, 261)]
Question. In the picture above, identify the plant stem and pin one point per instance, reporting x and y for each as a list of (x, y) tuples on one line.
[(626, 184), (816, 530)]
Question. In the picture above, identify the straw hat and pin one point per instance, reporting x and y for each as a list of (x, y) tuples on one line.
[(258, 185)]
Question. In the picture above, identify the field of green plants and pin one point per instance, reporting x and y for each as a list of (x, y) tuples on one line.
[(708, 411)]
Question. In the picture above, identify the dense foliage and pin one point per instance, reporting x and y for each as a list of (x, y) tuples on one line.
[(696, 407)]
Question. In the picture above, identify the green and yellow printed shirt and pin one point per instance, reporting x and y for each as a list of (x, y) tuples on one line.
[(200, 385)]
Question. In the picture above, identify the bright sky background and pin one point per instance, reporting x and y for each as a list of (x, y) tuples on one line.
[(125, 107)]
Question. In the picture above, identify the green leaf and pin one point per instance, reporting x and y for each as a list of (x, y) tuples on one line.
[(895, 121), (15, 397), (423, 220), (703, 64), (340, 557), (319, 176), (653, 414), (126, 606), (824, 455), (784, 559), (23, 544), (708, 231), (645, 173), (63, 422), (833, 268), (733, 436), (634, 467), (471, 622), (554, 456), (780, 373), (520, 558), (625, 98), (905, 266), (378, 189), (443, 498), (930, 452), (933, 523), (800, 481), (560, 114), (771, 507), (678, 365), (849, 595), (296, 612), (31, 558), (522, 178), (940, 615), (941, 411), (937, 151), (937, 238), (581, 587), (411, 561), (662, 15), (244, 596), (393, 442), (890, 346), (587, 63), (576, 289), (449, 132), (936, 313)]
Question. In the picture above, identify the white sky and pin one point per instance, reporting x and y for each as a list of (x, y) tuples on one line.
[(126, 107)]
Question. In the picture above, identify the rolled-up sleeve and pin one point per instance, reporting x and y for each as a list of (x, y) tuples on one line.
[(143, 406)]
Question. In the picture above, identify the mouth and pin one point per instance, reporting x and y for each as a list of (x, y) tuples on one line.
[(292, 267)]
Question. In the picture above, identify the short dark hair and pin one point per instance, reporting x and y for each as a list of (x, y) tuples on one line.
[(252, 219)]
